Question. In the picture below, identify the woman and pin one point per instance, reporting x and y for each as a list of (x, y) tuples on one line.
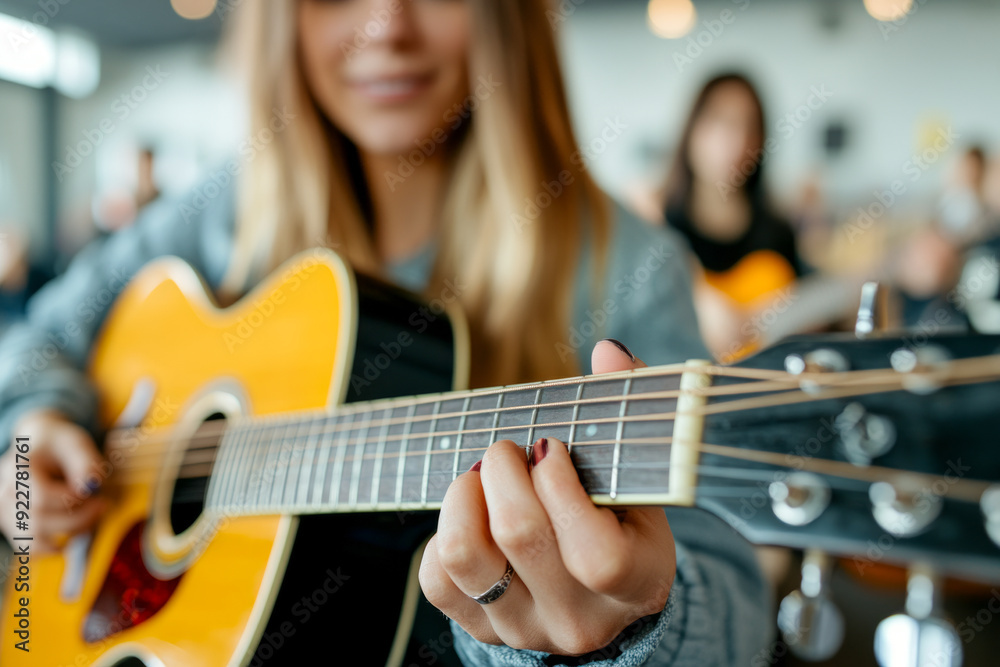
[(715, 197), (416, 138)]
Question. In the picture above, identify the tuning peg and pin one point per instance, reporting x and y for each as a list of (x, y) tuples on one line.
[(990, 504), (904, 508), (864, 435), (923, 369), (820, 360), (918, 638), (811, 625), (871, 313)]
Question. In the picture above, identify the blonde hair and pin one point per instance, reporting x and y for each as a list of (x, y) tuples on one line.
[(513, 250)]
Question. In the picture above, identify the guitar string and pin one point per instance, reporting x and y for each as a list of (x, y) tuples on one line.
[(969, 490), (788, 398), (779, 378), (340, 427)]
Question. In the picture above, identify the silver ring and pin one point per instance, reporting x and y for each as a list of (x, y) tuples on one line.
[(497, 589)]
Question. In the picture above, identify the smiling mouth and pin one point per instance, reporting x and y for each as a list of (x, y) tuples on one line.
[(392, 89)]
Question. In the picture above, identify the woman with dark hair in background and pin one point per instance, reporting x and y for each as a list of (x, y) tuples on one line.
[(715, 197)]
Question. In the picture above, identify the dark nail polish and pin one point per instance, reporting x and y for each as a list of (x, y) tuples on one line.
[(476, 466), (538, 452), (92, 485), (621, 346)]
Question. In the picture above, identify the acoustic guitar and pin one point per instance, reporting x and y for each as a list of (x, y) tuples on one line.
[(273, 479)]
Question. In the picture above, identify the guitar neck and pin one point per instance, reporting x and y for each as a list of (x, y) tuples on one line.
[(632, 437)]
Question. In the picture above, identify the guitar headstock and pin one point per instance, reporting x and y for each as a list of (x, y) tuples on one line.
[(878, 451), (882, 450)]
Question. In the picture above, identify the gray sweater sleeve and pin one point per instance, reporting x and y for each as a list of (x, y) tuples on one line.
[(719, 609), (43, 358)]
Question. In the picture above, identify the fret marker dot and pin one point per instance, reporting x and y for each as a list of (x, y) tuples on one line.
[(591, 430), (445, 443)]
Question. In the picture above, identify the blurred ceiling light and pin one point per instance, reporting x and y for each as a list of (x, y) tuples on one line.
[(27, 52), (78, 66), (888, 10), (35, 56), (671, 19), (193, 9)]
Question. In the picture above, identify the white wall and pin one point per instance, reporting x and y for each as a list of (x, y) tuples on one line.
[(21, 194), (173, 99), (940, 66)]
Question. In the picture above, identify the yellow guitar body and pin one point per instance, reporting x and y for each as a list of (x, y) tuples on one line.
[(166, 334)]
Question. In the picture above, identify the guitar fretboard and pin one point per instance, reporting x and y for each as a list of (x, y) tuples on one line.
[(404, 453)]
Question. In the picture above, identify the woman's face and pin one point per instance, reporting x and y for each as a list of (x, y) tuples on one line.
[(725, 135), (387, 73)]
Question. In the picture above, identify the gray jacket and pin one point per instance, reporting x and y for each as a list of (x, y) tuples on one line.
[(719, 609)]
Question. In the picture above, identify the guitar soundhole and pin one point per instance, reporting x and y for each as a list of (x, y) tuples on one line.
[(191, 487), (130, 662)]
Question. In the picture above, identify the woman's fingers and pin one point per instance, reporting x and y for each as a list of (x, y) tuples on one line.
[(75, 520), (472, 560), (442, 592), (520, 526), (611, 356), (594, 547)]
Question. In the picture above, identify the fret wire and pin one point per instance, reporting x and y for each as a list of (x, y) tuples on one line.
[(260, 462), (296, 464), (221, 474), (403, 443), (338, 466), (458, 440), (238, 495), (324, 460), (215, 478), (574, 419), (243, 444), (618, 440), (259, 458), (496, 419), (534, 416), (379, 453), (308, 467), (315, 488), (356, 470), (430, 450), (278, 496)]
